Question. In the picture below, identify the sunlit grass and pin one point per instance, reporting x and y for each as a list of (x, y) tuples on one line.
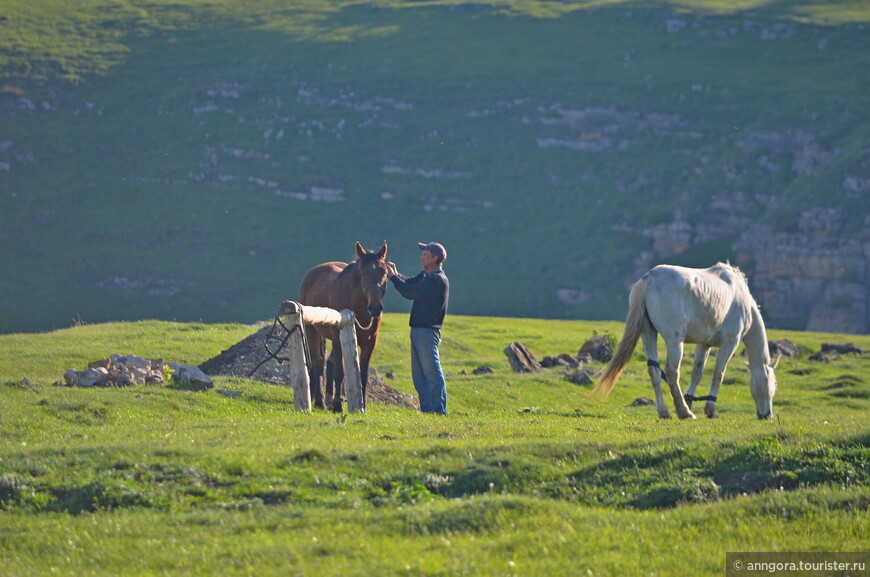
[(527, 473), (834, 13), (72, 40)]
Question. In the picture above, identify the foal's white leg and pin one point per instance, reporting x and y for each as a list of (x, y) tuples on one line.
[(675, 355), (726, 351), (649, 336), (701, 354)]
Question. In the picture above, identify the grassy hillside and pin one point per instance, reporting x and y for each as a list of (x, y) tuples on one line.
[(190, 161), (526, 476)]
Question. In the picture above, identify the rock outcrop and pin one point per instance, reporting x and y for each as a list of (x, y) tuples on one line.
[(811, 279), (810, 273)]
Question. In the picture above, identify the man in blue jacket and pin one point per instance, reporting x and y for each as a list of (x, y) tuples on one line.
[(429, 290)]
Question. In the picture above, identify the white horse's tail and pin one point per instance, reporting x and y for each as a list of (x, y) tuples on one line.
[(633, 328)]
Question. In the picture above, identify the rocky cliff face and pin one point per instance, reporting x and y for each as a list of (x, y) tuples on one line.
[(815, 278)]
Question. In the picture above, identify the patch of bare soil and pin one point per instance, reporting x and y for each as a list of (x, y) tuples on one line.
[(249, 358)]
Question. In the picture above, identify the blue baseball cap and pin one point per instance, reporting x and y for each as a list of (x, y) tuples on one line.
[(435, 248)]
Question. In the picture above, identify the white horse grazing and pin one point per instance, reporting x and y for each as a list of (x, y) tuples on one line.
[(710, 307)]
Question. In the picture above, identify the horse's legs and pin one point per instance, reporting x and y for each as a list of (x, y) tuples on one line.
[(726, 351), (649, 336), (330, 380), (315, 371), (701, 354), (672, 369), (337, 376), (365, 358)]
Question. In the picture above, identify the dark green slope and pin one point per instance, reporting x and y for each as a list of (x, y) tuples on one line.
[(215, 160)]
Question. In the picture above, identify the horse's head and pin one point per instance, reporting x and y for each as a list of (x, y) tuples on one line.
[(762, 383), (371, 270)]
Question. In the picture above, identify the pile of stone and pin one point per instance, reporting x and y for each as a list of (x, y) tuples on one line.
[(783, 347), (841, 349), (565, 360), (379, 391), (599, 347), (117, 371), (835, 350), (576, 367), (128, 370)]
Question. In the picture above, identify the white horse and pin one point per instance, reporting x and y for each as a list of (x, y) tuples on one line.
[(710, 307)]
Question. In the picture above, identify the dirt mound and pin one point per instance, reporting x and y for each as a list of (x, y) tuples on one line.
[(250, 359)]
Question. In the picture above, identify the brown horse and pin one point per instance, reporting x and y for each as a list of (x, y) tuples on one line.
[(359, 286)]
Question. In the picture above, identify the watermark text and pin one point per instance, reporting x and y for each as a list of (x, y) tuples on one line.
[(796, 564)]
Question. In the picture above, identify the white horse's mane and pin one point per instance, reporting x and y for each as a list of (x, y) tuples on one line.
[(728, 267)]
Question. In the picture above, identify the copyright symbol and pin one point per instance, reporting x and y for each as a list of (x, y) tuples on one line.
[(738, 565)]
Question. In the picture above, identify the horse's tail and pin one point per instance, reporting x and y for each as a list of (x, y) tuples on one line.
[(633, 327)]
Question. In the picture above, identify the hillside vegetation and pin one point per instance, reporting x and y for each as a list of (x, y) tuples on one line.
[(527, 475), (190, 161)]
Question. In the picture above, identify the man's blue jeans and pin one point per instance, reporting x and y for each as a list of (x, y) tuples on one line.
[(426, 370)]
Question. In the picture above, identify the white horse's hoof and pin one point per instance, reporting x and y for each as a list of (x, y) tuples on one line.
[(665, 415), (690, 415), (710, 411)]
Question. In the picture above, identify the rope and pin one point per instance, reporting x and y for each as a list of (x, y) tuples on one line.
[(273, 336), (365, 328), (383, 290)]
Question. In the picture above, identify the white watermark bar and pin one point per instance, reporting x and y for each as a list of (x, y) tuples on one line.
[(797, 564)]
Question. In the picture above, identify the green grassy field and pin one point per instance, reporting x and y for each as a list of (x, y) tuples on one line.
[(527, 475), (179, 160)]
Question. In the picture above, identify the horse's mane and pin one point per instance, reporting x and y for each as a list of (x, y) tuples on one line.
[(349, 271), (727, 267)]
